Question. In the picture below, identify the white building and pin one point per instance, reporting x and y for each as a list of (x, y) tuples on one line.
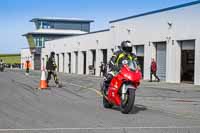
[(26, 55), (170, 35), (48, 28)]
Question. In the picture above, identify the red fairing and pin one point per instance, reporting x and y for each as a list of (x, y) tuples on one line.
[(113, 91), (133, 76), (125, 74)]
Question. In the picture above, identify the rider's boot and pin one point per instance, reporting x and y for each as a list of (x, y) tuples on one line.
[(106, 83)]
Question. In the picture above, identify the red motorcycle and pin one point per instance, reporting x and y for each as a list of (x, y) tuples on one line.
[(121, 90)]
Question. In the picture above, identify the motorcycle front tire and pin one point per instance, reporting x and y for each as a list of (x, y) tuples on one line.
[(125, 109)]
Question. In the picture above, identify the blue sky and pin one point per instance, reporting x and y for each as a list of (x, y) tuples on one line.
[(15, 15)]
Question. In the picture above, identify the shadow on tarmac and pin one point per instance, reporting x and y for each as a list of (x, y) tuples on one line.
[(136, 109)]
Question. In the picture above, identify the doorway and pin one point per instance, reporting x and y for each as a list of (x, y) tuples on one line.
[(187, 61), (84, 62), (94, 60), (76, 62), (69, 64), (57, 55), (104, 51), (161, 59), (140, 56), (63, 55), (37, 61)]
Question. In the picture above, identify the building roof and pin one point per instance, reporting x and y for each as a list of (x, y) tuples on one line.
[(157, 11), (56, 32), (104, 30), (61, 19), (93, 32)]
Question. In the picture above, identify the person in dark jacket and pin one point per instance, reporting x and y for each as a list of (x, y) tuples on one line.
[(27, 67), (154, 70), (51, 69), (125, 52), (103, 69), (115, 63), (1, 65)]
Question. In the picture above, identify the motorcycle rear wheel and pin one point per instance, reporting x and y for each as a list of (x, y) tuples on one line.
[(128, 105)]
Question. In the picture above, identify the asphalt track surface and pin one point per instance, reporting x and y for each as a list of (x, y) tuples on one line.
[(77, 107)]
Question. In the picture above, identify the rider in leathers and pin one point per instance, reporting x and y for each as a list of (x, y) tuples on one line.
[(115, 62), (51, 68)]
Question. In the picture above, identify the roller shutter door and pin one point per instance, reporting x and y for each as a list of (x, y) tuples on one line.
[(161, 60), (37, 62), (140, 50), (140, 56)]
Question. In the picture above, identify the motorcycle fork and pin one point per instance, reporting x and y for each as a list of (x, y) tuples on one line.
[(124, 91)]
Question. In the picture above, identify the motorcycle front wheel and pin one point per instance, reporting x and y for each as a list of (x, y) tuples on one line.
[(128, 103)]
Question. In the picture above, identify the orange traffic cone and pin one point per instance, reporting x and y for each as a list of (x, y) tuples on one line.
[(43, 82)]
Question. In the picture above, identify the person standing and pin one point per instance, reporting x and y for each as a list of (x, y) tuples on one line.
[(1, 65), (27, 65), (104, 69), (154, 70), (101, 69), (51, 69)]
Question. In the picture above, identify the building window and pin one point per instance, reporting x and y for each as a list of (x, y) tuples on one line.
[(85, 27), (39, 41), (47, 25)]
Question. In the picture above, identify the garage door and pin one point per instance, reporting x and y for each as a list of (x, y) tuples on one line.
[(140, 50), (140, 56), (187, 60), (37, 62), (161, 60)]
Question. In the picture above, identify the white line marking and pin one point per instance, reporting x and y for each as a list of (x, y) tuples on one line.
[(92, 89), (112, 128)]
